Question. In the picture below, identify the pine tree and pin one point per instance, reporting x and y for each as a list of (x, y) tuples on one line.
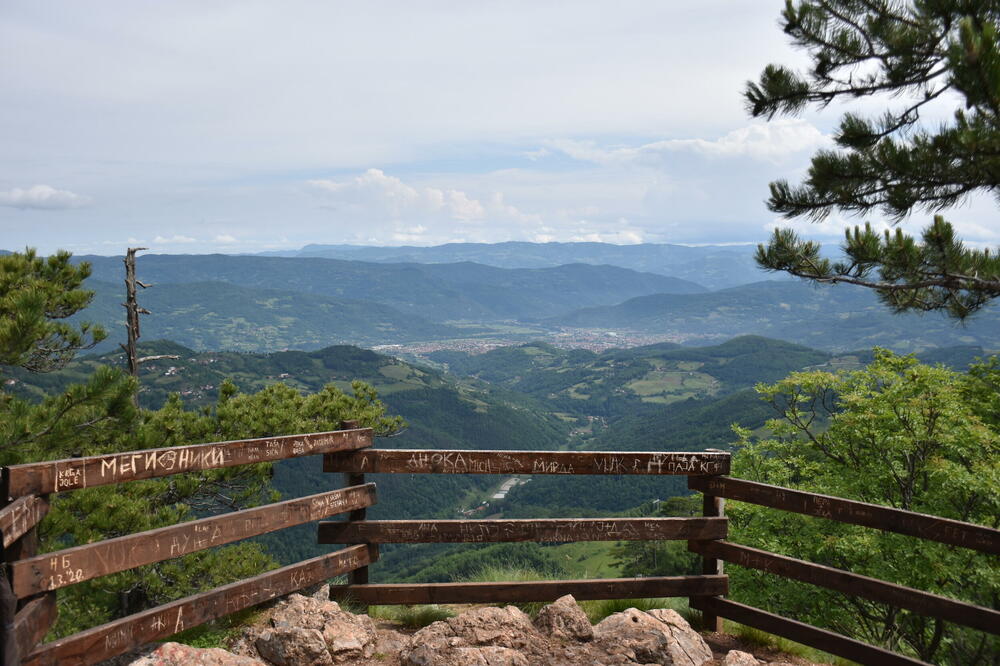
[(921, 51), (100, 417), (36, 295)]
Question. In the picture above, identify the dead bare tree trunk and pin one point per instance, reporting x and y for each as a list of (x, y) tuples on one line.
[(133, 311)]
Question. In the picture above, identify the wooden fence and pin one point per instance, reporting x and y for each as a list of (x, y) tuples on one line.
[(932, 528), (27, 594), (419, 461)]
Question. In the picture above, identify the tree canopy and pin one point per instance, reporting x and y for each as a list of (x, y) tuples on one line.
[(99, 417), (896, 433), (36, 295), (921, 52)]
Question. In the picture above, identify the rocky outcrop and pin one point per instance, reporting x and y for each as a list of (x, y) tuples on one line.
[(653, 640), (313, 631), (739, 658), (564, 620), (175, 654)]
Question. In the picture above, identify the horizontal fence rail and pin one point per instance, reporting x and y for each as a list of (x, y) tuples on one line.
[(544, 530), (74, 565), (33, 621), (829, 641), (925, 603), (431, 461), (20, 516), (75, 473), (113, 638), (524, 591), (933, 528)]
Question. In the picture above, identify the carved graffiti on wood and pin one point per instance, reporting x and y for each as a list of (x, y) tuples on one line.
[(122, 635), (524, 462), (539, 530), (73, 565), (76, 473), (20, 516)]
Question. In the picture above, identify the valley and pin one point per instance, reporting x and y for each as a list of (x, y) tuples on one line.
[(523, 353), (411, 310)]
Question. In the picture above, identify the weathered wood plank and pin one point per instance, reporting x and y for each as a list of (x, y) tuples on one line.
[(803, 633), (925, 603), (516, 592), (557, 530), (20, 516), (432, 461), (114, 638), (33, 622), (74, 473), (73, 565), (360, 575), (933, 528), (712, 506), (8, 611)]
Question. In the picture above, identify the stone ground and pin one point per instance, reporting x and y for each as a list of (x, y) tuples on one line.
[(313, 631)]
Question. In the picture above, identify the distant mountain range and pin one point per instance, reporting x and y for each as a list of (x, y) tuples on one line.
[(221, 315), (261, 303), (835, 318), (715, 266), (462, 291)]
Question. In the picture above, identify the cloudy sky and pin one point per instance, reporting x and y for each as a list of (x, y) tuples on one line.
[(202, 126)]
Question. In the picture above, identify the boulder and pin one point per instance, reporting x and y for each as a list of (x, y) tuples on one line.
[(488, 655), (565, 620), (294, 646), (175, 654), (689, 642), (390, 641), (651, 639), (739, 658), (347, 637), (478, 637), (504, 627)]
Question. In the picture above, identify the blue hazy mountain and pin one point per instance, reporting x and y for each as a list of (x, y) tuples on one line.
[(714, 266)]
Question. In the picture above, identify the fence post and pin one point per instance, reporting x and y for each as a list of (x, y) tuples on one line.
[(358, 576), (8, 611), (712, 507)]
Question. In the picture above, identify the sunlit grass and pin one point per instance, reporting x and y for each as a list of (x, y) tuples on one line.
[(411, 617)]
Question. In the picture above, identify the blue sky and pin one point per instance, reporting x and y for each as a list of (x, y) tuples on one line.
[(252, 126)]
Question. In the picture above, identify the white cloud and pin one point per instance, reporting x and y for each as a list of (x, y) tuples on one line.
[(374, 195), (42, 197), (774, 142), (224, 238), (175, 239)]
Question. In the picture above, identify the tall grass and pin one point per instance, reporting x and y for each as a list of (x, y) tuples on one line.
[(412, 617), (513, 573), (761, 639), (598, 610)]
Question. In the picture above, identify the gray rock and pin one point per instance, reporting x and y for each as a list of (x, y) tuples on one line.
[(488, 655), (347, 637), (689, 643), (653, 640), (565, 620), (176, 654), (294, 646), (739, 658)]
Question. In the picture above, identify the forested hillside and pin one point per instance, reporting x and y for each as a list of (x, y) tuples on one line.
[(461, 291), (532, 396), (238, 318), (716, 267), (581, 383), (833, 318)]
